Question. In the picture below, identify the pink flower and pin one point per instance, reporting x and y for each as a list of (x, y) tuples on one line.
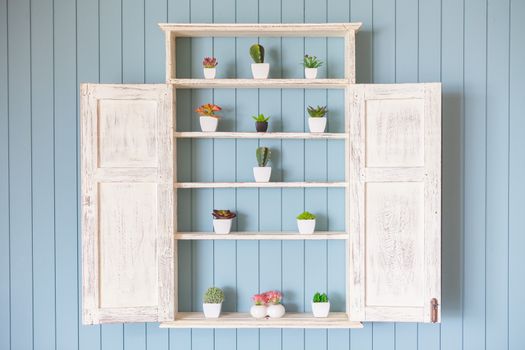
[(259, 299), (273, 297)]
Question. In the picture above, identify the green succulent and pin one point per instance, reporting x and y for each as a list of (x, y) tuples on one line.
[(305, 216), (311, 62), (257, 53), (317, 112), (213, 295), (320, 298), (260, 118), (263, 155)]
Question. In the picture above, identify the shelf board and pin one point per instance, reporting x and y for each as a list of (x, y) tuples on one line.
[(260, 135), (244, 320), (260, 83), (321, 235), (257, 184), (259, 29)]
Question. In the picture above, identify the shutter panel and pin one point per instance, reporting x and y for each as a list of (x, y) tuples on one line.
[(127, 203), (395, 211)]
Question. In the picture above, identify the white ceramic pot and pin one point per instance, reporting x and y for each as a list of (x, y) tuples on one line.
[(306, 227), (317, 124), (258, 311), (275, 310), (222, 226), (211, 310), (262, 173), (321, 309), (209, 73), (260, 70), (208, 124), (310, 73)]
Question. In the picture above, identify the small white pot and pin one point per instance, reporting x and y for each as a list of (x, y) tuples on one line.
[(260, 70), (321, 309), (211, 310), (208, 124), (258, 311), (276, 311), (317, 124), (306, 227), (262, 173), (310, 73), (209, 73), (222, 226)]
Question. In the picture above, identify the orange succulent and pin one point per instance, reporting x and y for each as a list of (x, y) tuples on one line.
[(208, 110)]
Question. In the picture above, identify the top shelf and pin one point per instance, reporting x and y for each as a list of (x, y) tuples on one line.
[(259, 29)]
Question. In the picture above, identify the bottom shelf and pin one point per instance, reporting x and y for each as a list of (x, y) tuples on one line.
[(244, 320)]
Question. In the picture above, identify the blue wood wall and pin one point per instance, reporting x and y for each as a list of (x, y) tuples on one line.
[(47, 47)]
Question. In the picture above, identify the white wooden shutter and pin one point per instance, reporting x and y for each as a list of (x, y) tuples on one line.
[(395, 209), (127, 203)]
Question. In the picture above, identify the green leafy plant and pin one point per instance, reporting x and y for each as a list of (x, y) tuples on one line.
[(320, 298), (257, 53), (305, 215), (263, 156), (317, 112), (311, 62), (213, 295), (223, 214), (260, 118)]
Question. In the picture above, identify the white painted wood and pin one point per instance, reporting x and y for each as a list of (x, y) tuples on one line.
[(244, 320), (259, 29), (261, 135), (259, 83), (276, 235), (127, 203), (349, 56), (258, 184), (395, 186)]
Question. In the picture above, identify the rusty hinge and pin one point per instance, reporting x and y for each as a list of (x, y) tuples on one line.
[(434, 310)]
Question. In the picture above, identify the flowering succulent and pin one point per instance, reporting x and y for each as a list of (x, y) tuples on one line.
[(273, 297), (209, 62), (259, 299), (312, 62), (223, 214), (208, 110)]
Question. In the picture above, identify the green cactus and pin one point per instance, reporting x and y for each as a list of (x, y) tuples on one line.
[(213, 295), (263, 156), (257, 53), (306, 215), (320, 298)]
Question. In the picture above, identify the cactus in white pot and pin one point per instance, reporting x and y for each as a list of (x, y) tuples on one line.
[(262, 172), (212, 302), (320, 305), (306, 223), (260, 70)]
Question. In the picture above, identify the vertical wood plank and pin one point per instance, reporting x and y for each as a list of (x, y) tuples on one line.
[(384, 49)]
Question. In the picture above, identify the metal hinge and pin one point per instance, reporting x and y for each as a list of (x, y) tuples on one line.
[(434, 310)]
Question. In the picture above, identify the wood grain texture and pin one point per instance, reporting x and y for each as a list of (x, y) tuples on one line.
[(258, 184), (128, 248), (260, 135), (278, 235), (259, 83)]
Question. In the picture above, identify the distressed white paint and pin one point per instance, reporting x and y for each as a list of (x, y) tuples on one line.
[(260, 83), (258, 184), (317, 235), (260, 135)]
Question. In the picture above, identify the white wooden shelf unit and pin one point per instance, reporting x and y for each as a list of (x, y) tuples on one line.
[(392, 185)]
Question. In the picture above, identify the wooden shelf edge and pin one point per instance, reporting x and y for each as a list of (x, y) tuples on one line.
[(260, 135), (244, 320), (321, 235), (260, 83), (259, 184)]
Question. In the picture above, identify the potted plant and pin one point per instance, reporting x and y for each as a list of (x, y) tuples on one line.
[(320, 305), (261, 122), (311, 63), (208, 119), (275, 309), (212, 302), (262, 173), (222, 221), (259, 309), (306, 223), (260, 70), (209, 65), (317, 120)]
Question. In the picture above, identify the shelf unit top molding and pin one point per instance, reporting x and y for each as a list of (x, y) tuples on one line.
[(259, 29)]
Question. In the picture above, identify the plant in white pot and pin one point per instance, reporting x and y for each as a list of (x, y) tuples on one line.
[(260, 70), (212, 302), (311, 63), (222, 221), (209, 65), (262, 172), (306, 223), (259, 309), (275, 309), (317, 119), (208, 119), (320, 305)]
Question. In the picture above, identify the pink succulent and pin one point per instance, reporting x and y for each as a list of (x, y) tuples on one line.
[(273, 297), (259, 299)]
